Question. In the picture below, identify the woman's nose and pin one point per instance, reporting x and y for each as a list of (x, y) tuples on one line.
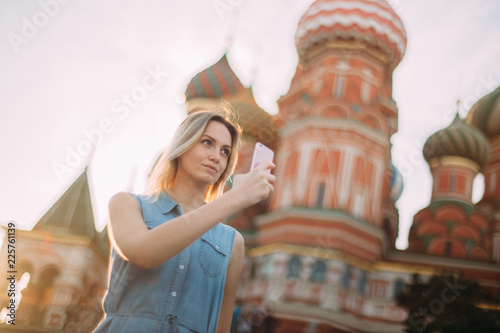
[(215, 156)]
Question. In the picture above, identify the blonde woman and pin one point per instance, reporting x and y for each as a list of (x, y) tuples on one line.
[(174, 267)]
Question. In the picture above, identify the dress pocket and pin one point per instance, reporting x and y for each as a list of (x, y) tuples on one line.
[(211, 257)]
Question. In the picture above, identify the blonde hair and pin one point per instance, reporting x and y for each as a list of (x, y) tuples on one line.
[(186, 136)]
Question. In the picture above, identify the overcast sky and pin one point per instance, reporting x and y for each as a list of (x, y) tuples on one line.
[(73, 69)]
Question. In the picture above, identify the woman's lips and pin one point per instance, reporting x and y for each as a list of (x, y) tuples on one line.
[(214, 169)]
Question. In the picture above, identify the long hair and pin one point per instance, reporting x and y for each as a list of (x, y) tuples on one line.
[(186, 136)]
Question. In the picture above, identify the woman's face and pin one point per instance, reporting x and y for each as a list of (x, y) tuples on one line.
[(207, 159)]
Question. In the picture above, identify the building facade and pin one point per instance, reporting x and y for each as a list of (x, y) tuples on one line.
[(61, 268), (321, 253)]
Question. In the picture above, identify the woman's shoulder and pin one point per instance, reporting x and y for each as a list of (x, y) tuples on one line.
[(122, 197), (121, 200), (123, 203), (129, 196)]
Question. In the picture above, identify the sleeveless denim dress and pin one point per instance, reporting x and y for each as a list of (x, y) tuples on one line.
[(182, 295)]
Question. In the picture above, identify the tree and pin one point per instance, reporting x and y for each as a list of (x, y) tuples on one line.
[(445, 304)]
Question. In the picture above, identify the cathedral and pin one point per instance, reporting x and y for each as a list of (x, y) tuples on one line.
[(320, 253)]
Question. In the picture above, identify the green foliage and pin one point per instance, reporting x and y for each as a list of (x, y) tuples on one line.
[(446, 304)]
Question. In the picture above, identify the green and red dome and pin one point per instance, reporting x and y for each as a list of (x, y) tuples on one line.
[(256, 122), (485, 114), (218, 80), (458, 139)]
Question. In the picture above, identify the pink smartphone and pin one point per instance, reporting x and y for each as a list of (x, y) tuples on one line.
[(261, 154)]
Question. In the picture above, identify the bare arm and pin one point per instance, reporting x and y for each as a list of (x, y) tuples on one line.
[(149, 248), (231, 286)]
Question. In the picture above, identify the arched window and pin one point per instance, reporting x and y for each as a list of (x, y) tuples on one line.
[(253, 269), (365, 92), (339, 89), (452, 182), (318, 271), (362, 283), (346, 276), (294, 267), (447, 249), (398, 288), (320, 195), (493, 181), (45, 284), (267, 267)]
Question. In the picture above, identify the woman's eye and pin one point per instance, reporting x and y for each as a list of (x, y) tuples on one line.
[(225, 152), (207, 142)]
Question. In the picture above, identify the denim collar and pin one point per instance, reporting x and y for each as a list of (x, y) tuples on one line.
[(166, 204)]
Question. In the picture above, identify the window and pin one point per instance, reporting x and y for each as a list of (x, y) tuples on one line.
[(398, 288), (320, 195), (346, 277), (358, 203), (267, 267), (318, 84), (452, 182), (318, 271), (447, 248), (339, 91), (493, 180), (294, 267), (365, 92), (253, 269), (362, 283)]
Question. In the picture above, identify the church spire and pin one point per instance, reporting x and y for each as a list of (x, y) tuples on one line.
[(72, 213)]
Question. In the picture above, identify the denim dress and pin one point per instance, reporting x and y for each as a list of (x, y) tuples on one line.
[(184, 294)]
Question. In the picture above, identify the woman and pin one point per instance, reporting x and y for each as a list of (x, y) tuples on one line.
[(174, 267)]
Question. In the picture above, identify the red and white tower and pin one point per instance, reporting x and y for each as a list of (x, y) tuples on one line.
[(334, 163), (332, 217)]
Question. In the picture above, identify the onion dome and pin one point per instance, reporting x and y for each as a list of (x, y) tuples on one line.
[(255, 122), (458, 139), (485, 114), (216, 81), (396, 185), (368, 22)]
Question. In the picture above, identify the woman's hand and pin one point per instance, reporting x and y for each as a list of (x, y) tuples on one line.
[(254, 186)]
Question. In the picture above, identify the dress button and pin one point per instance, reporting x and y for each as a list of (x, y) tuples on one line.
[(181, 266), (174, 293), (217, 247)]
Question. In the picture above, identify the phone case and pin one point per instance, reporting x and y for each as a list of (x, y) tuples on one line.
[(261, 154)]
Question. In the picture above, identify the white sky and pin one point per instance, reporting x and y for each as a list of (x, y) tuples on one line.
[(71, 73)]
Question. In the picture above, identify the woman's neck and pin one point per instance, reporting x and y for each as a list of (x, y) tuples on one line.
[(189, 197)]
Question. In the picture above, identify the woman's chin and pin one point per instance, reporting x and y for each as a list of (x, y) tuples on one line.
[(207, 180)]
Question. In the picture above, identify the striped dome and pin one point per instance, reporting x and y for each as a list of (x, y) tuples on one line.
[(371, 22), (254, 121), (217, 80), (396, 184), (458, 139), (485, 114)]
